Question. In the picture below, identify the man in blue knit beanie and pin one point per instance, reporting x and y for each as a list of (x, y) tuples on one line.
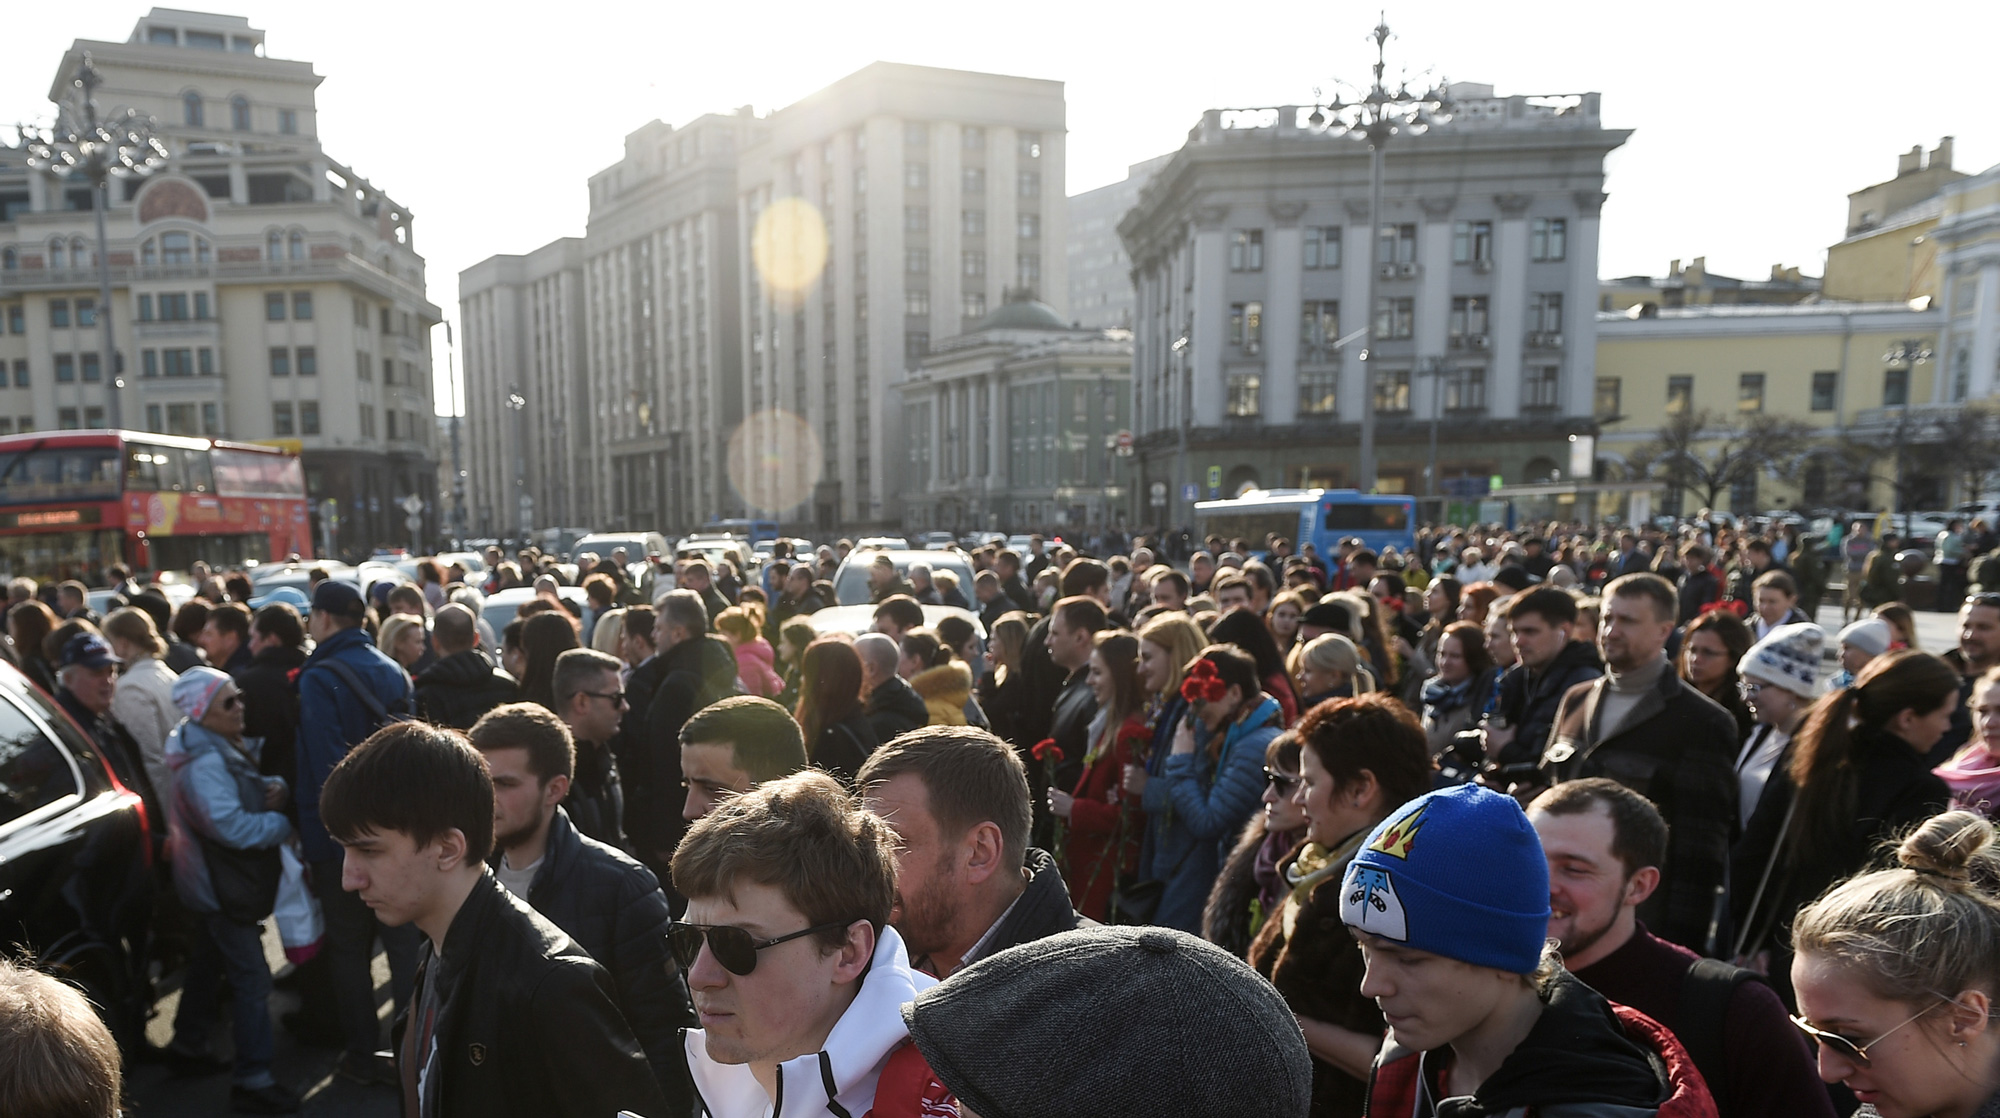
[(1449, 898)]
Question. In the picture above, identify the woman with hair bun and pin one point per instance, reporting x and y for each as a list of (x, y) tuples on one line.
[(1897, 973), (1857, 776)]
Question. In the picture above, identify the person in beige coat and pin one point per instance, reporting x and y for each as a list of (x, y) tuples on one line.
[(144, 698)]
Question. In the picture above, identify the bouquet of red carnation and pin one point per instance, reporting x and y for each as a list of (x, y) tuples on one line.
[(1203, 683), (1050, 755)]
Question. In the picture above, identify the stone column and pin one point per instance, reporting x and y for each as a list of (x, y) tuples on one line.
[(1211, 317), (1579, 387), (38, 193), (1433, 303), (1508, 317), (1986, 336), (934, 470), (1283, 257), (996, 435), (1356, 262), (239, 183)]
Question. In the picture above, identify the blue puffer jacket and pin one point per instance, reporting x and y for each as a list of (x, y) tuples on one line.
[(1206, 808), (331, 721), (218, 794)]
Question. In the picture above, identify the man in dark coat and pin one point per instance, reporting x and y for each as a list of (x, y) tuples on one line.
[(892, 706), (1645, 728), (591, 704), (969, 884), (462, 685), (1072, 636), (511, 1015), (270, 702), (610, 904), (696, 668), (1550, 665)]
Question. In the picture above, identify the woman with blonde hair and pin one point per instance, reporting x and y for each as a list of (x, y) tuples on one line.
[(1897, 973), (742, 626), (1330, 667), (1287, 608), (1003, 693), (143, 698), (401, 639), (1902, 621)]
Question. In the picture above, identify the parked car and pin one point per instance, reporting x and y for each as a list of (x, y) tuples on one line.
[(855, 620), (882, 543), (502, 605), (850, 579), (76, 859), (939, 541)]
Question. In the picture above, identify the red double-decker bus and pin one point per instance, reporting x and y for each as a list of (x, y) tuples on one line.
[(72, 503)]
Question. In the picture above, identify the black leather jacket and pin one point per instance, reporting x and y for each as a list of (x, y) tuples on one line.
[(456, 690), (527, 1024), (613, 908)]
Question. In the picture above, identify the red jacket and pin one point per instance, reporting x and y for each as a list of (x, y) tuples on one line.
[(1094, 822)]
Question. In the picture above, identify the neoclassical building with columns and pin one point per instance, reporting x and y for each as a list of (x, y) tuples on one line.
[(1253, 253)]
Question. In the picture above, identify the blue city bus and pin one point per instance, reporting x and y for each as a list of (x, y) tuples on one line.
[(752, 532), (1321, 517)]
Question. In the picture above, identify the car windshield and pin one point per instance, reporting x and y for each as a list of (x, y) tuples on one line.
[(850, 587)]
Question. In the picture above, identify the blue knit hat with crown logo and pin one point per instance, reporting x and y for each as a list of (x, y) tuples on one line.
[(1458, 872)]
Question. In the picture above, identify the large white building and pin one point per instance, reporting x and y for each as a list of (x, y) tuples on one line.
[(260, 290), (1100, 273), (1254, 251)]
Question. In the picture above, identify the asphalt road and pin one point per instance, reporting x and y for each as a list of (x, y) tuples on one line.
[(155, 1094)]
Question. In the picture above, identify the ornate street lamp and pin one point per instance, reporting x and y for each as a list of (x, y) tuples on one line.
[(99, 150), (1375, 118), (1904, 357)]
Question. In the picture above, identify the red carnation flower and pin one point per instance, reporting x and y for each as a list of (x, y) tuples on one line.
[(1203, 683), (1047, 751)]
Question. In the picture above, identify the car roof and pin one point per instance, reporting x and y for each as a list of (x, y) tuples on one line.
[(859, 619)]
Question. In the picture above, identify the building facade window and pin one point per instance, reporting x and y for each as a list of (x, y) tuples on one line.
[(974, 263), (21, 372), (1468, 320), (288, 121), (916, 346), (1321, 247), (972, 223), (1317, 391), (281, 419), (302, 305), (1545, 315), (1246, 327), (308, 417), (65, 368), (1750, 392), (1540, 387), (1680, 395), (177, 362), (1548, 239), (67, 419), (191, 110), (916, 219), (1319, 329), (1245, 394), (1396, 244), (916, 261), (281, 361), (59, 314), (916, 300), (1825, 386), (1472, 242), (1246, 250), (274, 306), (1465, 390), (1395, 318), (93, 372), (1608, 402), (1028, 269), (916, 176), (239, 113), (1895, 388), (1030, 226), (972, 180), (1392, 391), (972, 137), (367, 421), (972, 304), (1030, 184)]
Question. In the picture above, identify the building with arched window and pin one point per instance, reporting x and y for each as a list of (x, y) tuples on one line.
[(260, 289)]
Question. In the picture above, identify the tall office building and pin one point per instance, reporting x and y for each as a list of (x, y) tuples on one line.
[(1256, 255), (941, 192), (1101, 294), (260, 290)]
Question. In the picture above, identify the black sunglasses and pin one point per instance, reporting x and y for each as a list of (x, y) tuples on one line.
[(1854, 1050), (1275, 779), (229, 703), (612, 697), (735, 948)]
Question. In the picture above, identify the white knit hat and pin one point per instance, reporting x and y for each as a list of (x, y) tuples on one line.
[(1787, 657), (1870, 634)]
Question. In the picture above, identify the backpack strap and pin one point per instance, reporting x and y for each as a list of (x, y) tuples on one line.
[(1706, 991), (378, 714)]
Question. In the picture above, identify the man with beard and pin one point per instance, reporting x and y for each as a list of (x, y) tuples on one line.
[(1604, 845), (968, 884), (608, 903), (1978, 650)]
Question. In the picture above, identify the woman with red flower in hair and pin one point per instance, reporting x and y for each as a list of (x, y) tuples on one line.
[(1105, 825), (1211, 781)]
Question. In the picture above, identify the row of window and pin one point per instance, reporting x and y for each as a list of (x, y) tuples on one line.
[(176, 419), (1395, 319), (59, 314), (174, 362), (1463, 390), (917, 262), (194, 113), (971, 180), (917, 219), (175, 306), (1471, 243), (971, 137), (1824, 394), (917, 303), (275, 302)]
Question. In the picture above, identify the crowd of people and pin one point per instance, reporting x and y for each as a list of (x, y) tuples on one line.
[(1557, 817)]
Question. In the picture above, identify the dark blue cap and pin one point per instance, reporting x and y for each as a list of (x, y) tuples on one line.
[(88, 650), (337, 598)]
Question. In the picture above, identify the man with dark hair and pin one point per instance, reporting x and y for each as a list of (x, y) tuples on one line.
[(735, 745), (1550, 664), (893, 706), (883, 581), (695, 668), (1007, 566), (798, 978), (513, 1017), (610, 904), (1072, 635), (225, 636), (1604, 845), (697, 576), (270, 703), (897, 615), (1230, 591), (968, 883), (591, 703), (341, 686), (73, 602), (1171, 590), (1646, 728), (463, 684)]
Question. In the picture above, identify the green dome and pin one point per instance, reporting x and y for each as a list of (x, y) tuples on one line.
[(1029, 314)]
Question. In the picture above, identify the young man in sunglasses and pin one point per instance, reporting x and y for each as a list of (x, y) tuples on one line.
[(592, 703), (798, 979), (511, 1016), (608, 903), (1604, 844)]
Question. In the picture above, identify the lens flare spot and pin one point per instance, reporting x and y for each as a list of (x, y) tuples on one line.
[(774, 460), (789, 245)]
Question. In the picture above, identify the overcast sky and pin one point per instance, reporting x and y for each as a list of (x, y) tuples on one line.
[(1753, 120)]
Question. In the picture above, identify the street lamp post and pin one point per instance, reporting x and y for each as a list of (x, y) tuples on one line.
[(99, 150), (518, 404), (1906, 355), (1184, 478), (457, 468), (1433, 369), (1375, 118)]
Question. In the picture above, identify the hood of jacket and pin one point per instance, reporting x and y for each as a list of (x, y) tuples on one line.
[(1579, 1053), (460, 669), (757, 648), (951, 683), (190, 740), (844, 1072)]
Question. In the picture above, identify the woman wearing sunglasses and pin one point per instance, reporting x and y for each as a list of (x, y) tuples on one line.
[(1251, 886), (1897, 972), (224, 825), (1359, 760)]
